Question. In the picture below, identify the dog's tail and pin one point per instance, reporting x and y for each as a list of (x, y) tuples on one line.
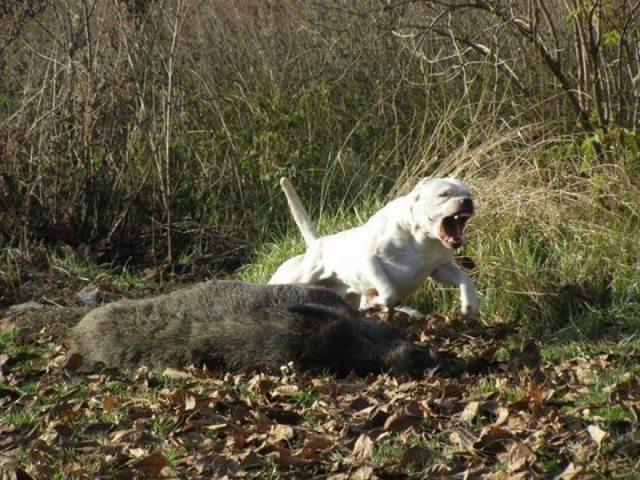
[(300, 216)]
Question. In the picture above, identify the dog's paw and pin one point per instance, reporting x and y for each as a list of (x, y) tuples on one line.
[(386, 300), (469, 312), (383, 302)]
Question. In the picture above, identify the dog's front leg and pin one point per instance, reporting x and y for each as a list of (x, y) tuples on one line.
[(451, 274), (385, 294)]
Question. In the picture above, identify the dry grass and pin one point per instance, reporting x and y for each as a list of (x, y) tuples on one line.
[(157, 131)]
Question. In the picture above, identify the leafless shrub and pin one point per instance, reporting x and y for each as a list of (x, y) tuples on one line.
[(588, 50), (157, 129)]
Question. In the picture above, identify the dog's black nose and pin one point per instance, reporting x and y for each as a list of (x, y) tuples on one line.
[(467, 205)]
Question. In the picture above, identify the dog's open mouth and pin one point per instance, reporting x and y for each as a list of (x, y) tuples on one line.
[(452, 229)]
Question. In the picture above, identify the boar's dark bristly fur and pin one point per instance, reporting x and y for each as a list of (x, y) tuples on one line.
[(241, 326)]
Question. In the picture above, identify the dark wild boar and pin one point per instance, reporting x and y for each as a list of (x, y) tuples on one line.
[(240, 326)]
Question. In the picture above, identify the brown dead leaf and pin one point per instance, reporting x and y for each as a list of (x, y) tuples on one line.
[(318, 443), (570, 472), (414, 455), (286, 459), (281, 432), (282, 415), (363, 473), (237, 436), (17, 474), (359, 403), (530, 355), (597, 434), (110, 402), (377, 419), (189, 402), (536, 395), (175, 374), (216, 466), (10, 393), (493, 439), (363, 448), (261, 384), (464, 441), (517, 457), (251, 459), (152, 465), (263, 423), (403, 418), (74, 362), (470, 412), (502, 413), (285, 390)]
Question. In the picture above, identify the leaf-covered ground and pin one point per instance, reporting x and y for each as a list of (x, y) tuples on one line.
[(507, 411)]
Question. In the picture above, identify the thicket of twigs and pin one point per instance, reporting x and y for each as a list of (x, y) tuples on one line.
[(156, 130)]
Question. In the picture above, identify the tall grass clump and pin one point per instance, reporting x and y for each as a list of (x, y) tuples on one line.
[(154, 132), (554, 241)]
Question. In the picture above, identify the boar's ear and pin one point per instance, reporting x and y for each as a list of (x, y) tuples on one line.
[(318, 310)]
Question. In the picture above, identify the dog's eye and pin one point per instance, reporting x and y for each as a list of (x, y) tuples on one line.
[(444, 194)]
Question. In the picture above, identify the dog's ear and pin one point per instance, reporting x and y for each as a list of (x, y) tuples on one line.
[(322, 311), (423, 182), (457, 181)]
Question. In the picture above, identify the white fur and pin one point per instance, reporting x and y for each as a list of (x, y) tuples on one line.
[(387, 258)]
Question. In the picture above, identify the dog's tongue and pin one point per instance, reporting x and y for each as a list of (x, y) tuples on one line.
[(454, 229)]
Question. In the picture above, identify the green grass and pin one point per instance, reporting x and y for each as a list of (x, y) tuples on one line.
[(388, 450), (8, 338), (392, 450), (20, 419), (161, 426), (123, 277), (304, 398), (173, 454), (549, 257), (548, 462), (269, 472), (489, 385), (614, 413)]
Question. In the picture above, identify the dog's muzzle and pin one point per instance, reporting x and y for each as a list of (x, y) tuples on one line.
[(452, 226)]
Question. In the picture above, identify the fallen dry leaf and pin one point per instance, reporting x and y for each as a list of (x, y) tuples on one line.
[(517, 457), (362, 473), (403, 418), (464, 441), (571, 472), (285, 390), (281, 432), (363, 448), (74, 362), (189, 402), (597, 434), (470, 412), (152, 465), (175, 374), (110, 402), (415, 454)]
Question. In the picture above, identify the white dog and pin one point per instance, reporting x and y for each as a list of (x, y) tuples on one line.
[(388, 257)]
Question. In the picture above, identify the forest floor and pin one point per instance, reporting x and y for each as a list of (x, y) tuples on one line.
[(518, 408)]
